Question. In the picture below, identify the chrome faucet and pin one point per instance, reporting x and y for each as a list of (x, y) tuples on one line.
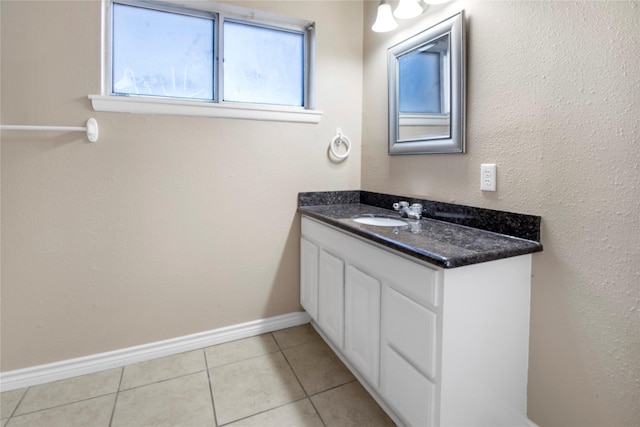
[(413, 212)]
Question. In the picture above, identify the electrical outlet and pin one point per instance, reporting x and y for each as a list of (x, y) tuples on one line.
[(488, 177)]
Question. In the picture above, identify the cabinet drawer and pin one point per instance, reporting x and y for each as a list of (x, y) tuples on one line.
[(407, 391), (410, 329), (416, 281)]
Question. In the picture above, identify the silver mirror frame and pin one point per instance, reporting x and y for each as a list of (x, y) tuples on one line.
[(455, 143)]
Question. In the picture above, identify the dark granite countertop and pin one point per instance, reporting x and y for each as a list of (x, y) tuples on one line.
[(437, 241)]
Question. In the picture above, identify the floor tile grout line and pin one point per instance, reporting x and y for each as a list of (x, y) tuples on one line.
[(164, 380), (213, 403), (317, 412), (245, 359), (355, 380), (307, 396), (276, 340), (264, 411), (281, 351), (240, 360), (116, 392), (206, 363), (324, 391), (115, 401), (294, 373), (14, 415), (17, 406)]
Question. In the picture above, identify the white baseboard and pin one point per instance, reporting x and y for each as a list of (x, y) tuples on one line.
[(41, 374)]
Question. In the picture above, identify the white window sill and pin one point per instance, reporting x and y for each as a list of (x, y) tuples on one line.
[(147, 105)]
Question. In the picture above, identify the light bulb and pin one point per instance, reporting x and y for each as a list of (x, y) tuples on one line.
[(384, 20), (408, 9)]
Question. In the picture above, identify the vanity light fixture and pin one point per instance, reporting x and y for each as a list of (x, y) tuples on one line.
[(406, 9), (384, 19)]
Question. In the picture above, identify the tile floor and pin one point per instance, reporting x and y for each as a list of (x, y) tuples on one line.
[(285, 378)]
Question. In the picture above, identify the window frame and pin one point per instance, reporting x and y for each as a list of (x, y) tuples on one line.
[(218, 12)]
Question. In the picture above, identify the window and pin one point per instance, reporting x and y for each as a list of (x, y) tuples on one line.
[(263, 65), (159, 53), (222, 62)]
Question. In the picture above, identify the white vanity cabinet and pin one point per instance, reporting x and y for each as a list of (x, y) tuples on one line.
[(434, 346)]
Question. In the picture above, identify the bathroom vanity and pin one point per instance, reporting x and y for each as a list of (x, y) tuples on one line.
[(432, 317)]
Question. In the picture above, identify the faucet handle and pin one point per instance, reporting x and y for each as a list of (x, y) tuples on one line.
[(398, 206)]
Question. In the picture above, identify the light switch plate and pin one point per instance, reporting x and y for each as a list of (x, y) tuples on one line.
[(488, 177)]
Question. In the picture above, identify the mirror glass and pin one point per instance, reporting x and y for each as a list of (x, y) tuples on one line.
[(426, 91)]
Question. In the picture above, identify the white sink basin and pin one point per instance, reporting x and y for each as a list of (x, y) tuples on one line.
[(380, 221)]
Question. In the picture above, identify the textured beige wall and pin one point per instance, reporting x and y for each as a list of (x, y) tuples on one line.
[(554, 99), (167, 225)]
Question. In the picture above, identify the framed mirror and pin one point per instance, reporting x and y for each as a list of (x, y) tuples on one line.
[(427, 90)]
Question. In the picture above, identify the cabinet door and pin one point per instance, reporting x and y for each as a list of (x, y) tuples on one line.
[(362, 323), (309, 277), (331, 297)]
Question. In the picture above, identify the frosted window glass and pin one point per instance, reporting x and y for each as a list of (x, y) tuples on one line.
[(420, 84), (263, 65), (161, 53)]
